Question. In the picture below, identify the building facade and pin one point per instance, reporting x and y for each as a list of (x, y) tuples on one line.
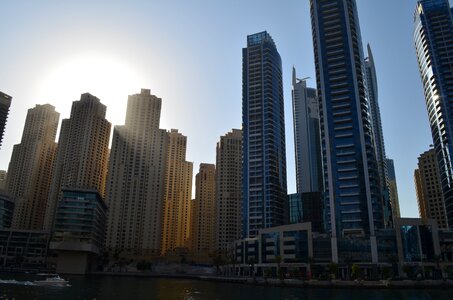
[(429, 189), (177, 195), (135, 185), (307, 144), (372, 88), (307, 207), (229, 189), (263, 123), (433, 36), (31, 167), (80, 226), (5, 103), (204, 214), (24, 249), (6, 211), (353, 202), (82, 155), (3, 175), (393, 188)]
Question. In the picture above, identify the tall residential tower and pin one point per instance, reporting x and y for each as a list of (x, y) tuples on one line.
[(5, 103), (177, 195), (263, 122), (433, 36), (204, 215), (373, 99), (229, 189), (353, 202), (83, 151), (31, 167), (429, 189), (135, 185), (306, 137)]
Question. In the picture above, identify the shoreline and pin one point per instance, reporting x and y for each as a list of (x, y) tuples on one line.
[(274, 282), (294, 283)]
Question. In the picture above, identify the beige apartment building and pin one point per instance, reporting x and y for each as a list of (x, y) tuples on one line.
[(204, 217), (429, 190), (31, 168), (82, 156), (135, 186), (229, 189), (177, 195)]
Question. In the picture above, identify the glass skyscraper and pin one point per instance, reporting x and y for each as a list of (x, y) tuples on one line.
[(307, 143), (433, 36), (378, 136), (353, 202), (264, 156)]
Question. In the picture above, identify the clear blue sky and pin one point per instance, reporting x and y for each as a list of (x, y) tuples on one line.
[(189, 54)]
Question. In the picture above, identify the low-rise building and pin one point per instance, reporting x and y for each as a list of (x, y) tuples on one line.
[(80, 227), (23, 249)]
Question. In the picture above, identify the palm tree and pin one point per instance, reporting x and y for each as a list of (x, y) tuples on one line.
[(252, 262), (278, 260), (310, 261)]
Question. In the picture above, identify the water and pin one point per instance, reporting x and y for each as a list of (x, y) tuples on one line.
[(104, 287)]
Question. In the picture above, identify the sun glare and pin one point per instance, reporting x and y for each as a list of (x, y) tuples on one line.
[(108, 78)]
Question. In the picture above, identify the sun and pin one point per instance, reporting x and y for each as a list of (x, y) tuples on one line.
[(107, 77)]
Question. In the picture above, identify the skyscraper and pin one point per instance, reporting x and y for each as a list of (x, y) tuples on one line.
[(3, 175), (353, 202), (31, 167), (433, 36), (393, 189), (82, 155), (204, 215), (306, 137), (263, 122), (373, 99), (177, 195), (429, 189), (229, 189), (5, 103), (135, 185)]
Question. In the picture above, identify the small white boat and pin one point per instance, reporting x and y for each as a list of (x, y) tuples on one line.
[(54, 280)]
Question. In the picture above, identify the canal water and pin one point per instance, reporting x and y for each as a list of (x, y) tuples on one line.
[(13, 286)]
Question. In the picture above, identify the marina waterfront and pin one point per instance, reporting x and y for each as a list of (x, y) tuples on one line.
[(20, 286)]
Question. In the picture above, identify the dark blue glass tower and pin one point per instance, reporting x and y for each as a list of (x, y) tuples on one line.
[(353, 202), (433, 36), (264, 156)]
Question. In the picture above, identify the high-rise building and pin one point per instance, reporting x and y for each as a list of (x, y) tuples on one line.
[(5, 103), (353, 202), (177, 195), (263, 123), (307, 144), (204, 215), (2, 180), (433, 36), (393, 189), (31, 167), (82, 155), (6, 210), (372, 88), (135, 185), (429, 189), (229, 189)]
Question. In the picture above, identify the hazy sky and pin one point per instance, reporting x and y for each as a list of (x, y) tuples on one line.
[(189, 54)]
